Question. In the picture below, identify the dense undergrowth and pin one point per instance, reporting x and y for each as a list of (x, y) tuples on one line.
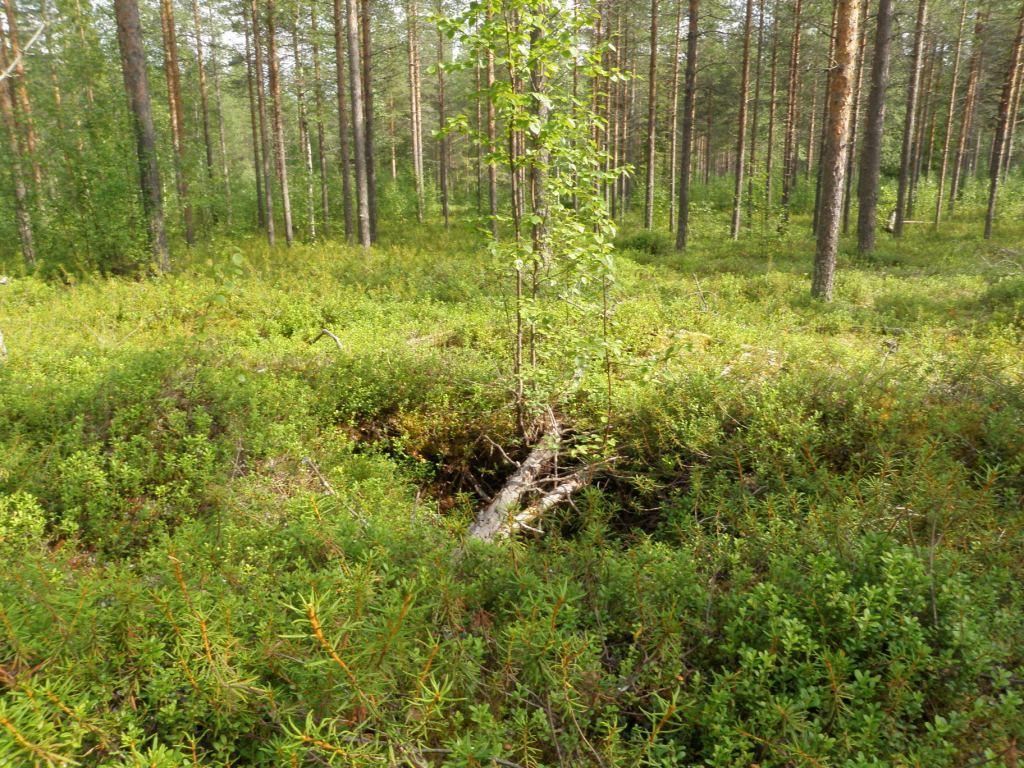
[(224, 545)]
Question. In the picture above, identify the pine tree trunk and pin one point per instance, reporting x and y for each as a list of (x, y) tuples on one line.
[(833, 156), (789, 150), (415, 110), (261, 216), (741, 126), (222, 134), (917, 155), (824, 115), (358, 127), (903, 190), (136, 85), (274, 81), (652, 116), (368, 121), (24, 104), (318, 105), (755, 118), (204, 105), (173, 76), (305, 139), (871, 154), (15, 143), (948, 133), (773, 94), (492, 147), (673, 118), (261, 103), (970, 99), (442, 118), (855, 115), (340, 26), (1003, 124), (689, 105), (1014, 118)]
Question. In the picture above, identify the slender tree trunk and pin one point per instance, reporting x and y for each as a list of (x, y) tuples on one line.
[(368, 121), (970, 99), (673, 118), (173, 75), (812, 114), (741, 127), (358, 127), (340, 25), (261, 216), (689, 105), (22, 216), (136, 85), (833, 156), (222, 133), (305, 138), (24, 104), (755, 118), (204, 105), (318, 102), (855, 115), (415, 110), (871, 154), (773, 88), (492, 147), (652, 116), (1003, 124), (948, 133), (1014, 119), (274, 81), (909, 122), (442, 118), (789, 150), (261, 103), (824, 121), (917, 155)]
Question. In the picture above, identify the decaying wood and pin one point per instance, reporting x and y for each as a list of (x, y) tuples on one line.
[(325, 332), (537, 477)]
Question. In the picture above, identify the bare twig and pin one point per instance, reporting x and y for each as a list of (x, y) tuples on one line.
[(17, 59), (325, 332), (320, 475)]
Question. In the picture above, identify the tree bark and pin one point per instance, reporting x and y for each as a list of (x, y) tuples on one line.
[(415, 109), (948, 133), (204, 104), (741, 126), (492, 147), (652, 116), (970, 99), (136, 85), (833, 156), (318, 105), (261, 102), (368, 121), (254, 121), (274, 81), (358, 127), (855, 114), (26, 119), (773, 92), (909, 122), (173, 75), (755, 118), (689, 102), (305, 138), (1003, 124), (673, 118), (789, 150), (22, 215), (340, 33), (442, 139), (222, 133), (871, 155)]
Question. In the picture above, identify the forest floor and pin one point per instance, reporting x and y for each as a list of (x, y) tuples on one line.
[(230, 544)]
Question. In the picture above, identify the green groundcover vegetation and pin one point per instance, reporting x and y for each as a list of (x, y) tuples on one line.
[(224, 545)]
